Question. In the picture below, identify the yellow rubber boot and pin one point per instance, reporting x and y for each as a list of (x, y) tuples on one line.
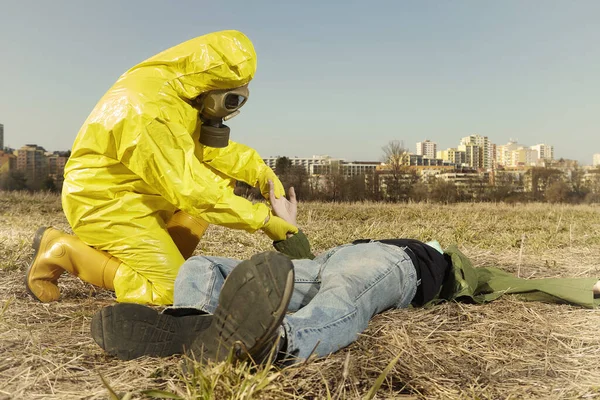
[(56, 252), (186, 232)]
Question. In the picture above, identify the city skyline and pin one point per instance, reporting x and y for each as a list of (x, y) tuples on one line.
[(510, 140), (595, 160), (511, 69), (428, 139)]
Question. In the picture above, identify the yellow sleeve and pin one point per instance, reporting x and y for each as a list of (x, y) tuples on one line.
[(243, 163), (162, 154)]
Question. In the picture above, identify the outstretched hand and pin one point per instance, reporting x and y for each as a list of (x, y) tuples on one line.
[(282, 207)]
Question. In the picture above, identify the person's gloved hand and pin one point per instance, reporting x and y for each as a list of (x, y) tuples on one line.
[(267, 175), (277, 228)]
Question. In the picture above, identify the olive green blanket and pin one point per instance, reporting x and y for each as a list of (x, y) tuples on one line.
[(481, 285)]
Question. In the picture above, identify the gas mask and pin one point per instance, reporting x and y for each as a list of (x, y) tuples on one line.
[(215, 107)]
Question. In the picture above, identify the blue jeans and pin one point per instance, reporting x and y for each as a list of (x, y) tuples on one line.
[(335, 295)]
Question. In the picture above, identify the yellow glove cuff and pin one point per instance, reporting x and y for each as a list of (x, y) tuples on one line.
[(277, 228)]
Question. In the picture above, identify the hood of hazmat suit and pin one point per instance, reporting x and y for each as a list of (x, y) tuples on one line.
[(137, 158)]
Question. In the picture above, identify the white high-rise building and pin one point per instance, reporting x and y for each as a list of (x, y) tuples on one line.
[(596, 160), (319, 165), (504, 153), (472, 154), (308, 163), (523, 156), (486, 150), (545, 152), (427, 149), (1, 137)]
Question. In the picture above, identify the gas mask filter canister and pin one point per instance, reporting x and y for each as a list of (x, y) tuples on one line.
[(215, 107)]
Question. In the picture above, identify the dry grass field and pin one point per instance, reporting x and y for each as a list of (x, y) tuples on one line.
[(505, 349)]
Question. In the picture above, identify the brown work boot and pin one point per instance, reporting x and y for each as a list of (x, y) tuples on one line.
[(252, 304), (57, 252)]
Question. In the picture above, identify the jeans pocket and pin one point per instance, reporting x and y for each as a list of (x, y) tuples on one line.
[(396, 251)]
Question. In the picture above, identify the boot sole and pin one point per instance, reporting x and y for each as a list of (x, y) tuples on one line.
[(37, 241), (129, 331), (252, 305)]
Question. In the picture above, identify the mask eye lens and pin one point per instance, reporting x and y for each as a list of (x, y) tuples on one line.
[(234, 101)]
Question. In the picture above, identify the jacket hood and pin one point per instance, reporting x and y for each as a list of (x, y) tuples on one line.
[(218, 60)]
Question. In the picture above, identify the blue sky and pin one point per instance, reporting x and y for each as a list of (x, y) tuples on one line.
[(341, 78)]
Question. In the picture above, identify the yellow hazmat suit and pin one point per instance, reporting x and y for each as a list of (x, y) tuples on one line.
[(137, 160)]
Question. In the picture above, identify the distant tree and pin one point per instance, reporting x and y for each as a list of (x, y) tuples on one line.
[(315, 186), (409, 179), (394, 156), (372, 189), (478, 190), (297, 177), (443, 192), (593, 184), (49, 185), (13, 180), (593, 187), (592, 198), (282, 165), (558, 192), (419, 192), (354, 188), (505, 186), (579, 190), (541, 178), (334, 183)]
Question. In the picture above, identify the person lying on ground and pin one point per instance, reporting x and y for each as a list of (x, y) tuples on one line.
[(223, 305), (151, 167)]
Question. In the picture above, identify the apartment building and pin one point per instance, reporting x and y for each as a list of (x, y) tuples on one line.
[(1, 137), (473, 157), (503, 153), (8, 162), (544, 151), (347, 169), (426, 172), (485, 153), (308, 163), (513, 154), (453, 156), (596, 160), (467, 183), (56, 167), (421, 160), (427, 149), (511, 176), (523, 156), (32, 160), (323, 165), (356, 168)]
